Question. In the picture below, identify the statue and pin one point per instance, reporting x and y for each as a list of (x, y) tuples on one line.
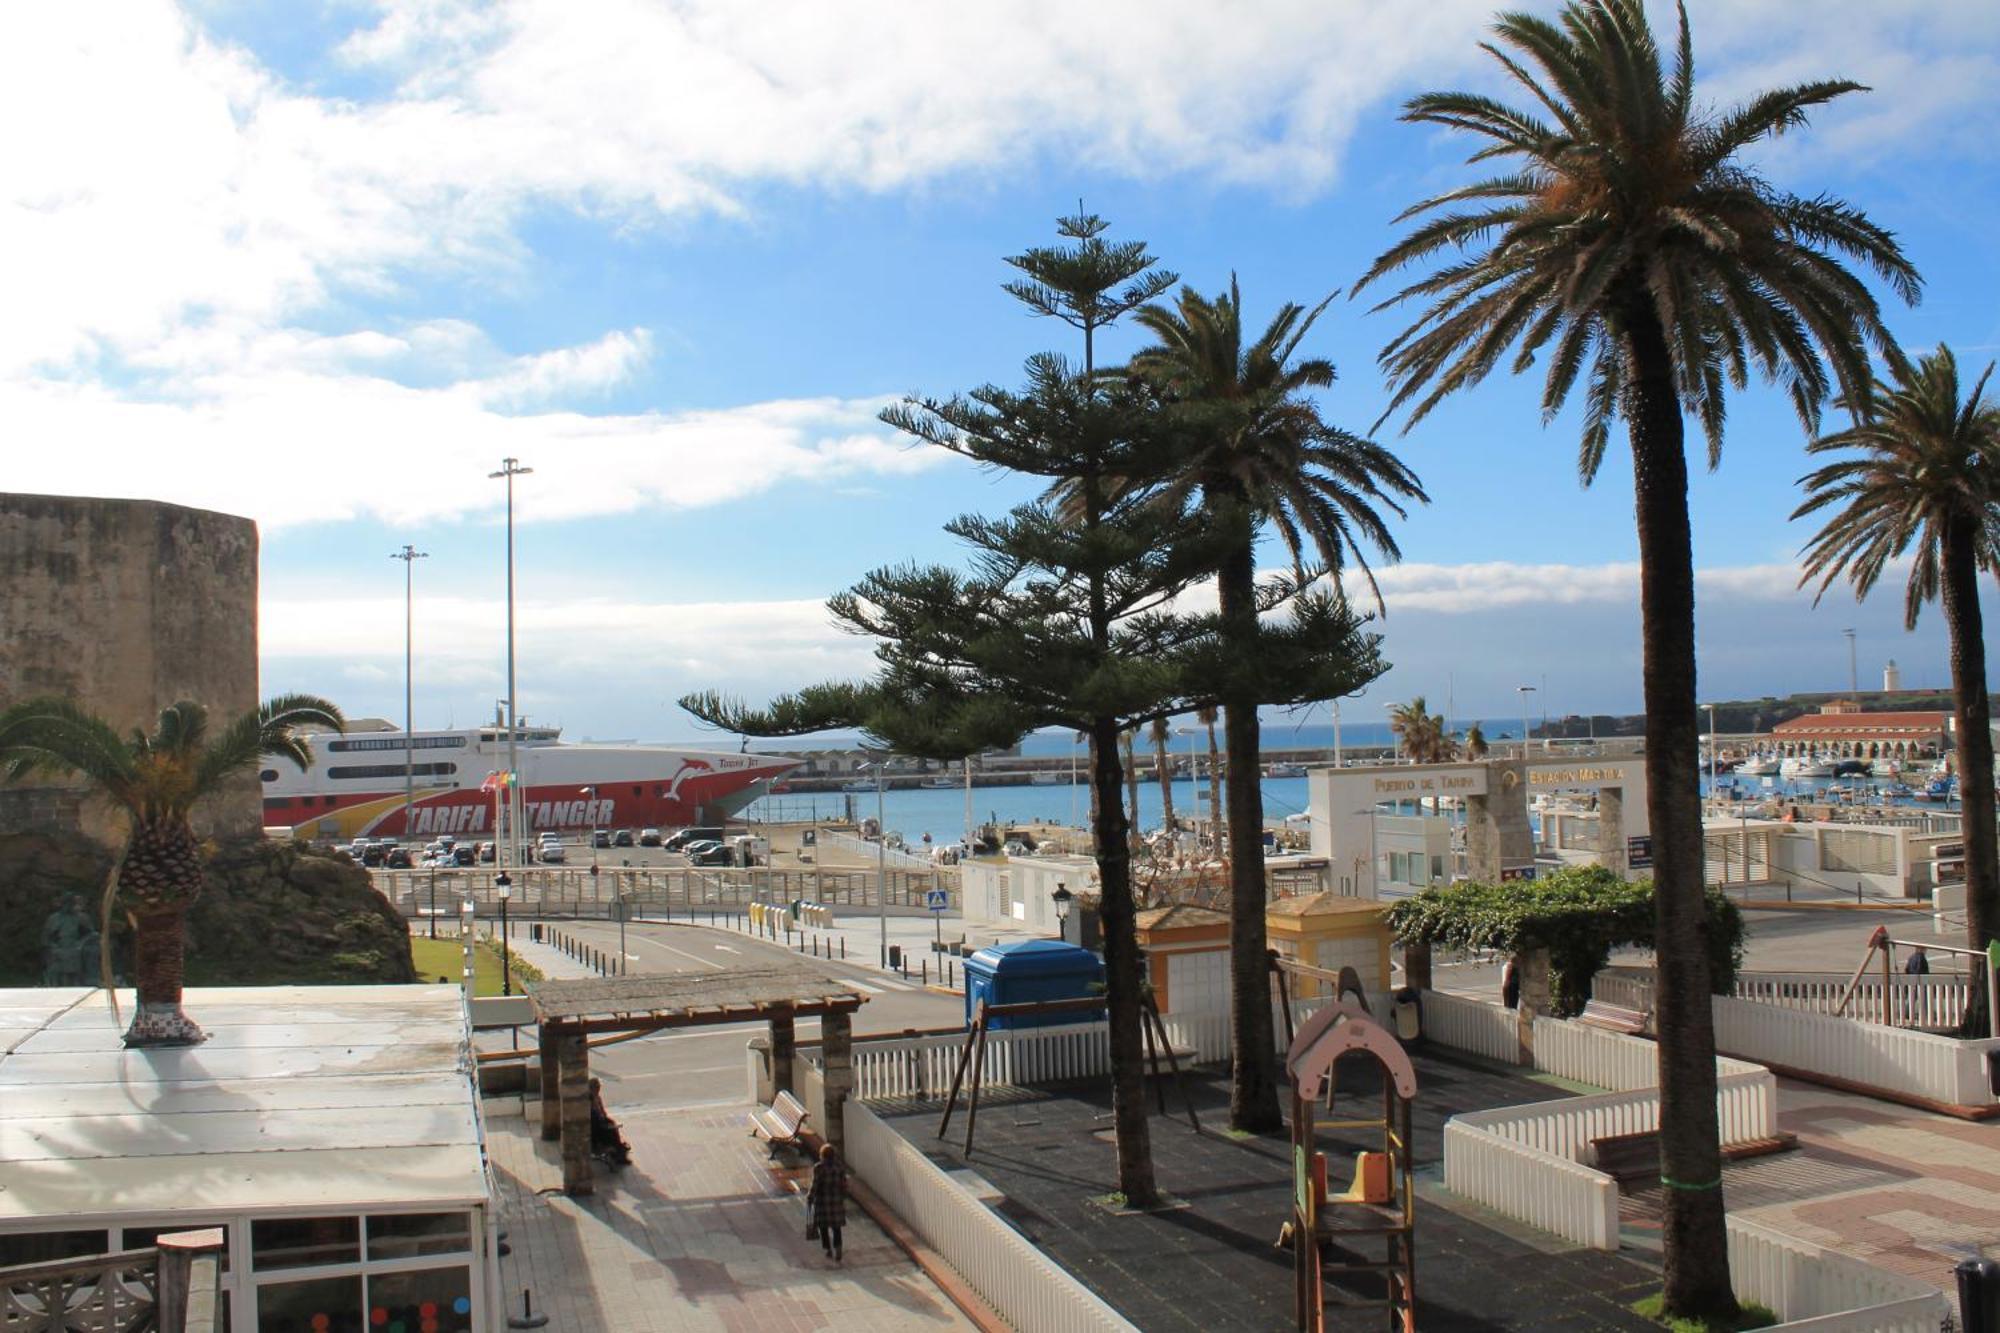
[(69, 946)]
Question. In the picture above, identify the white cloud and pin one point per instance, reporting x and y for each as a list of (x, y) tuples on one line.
[(1500, 585)]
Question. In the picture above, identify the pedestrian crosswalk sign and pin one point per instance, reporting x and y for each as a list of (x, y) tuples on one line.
[(937, 900)]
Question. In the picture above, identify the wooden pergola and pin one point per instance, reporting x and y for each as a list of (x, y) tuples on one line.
[(569, 1013)]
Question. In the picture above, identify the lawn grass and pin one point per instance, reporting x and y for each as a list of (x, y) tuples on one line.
[(1751, 1316), (435, 958)]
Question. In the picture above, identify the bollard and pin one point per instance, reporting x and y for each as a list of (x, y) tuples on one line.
[(924, 971), (1979, 1295), (527, 1318), (843, 946)]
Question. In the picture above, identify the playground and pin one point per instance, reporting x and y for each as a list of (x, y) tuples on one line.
[(1212, 1259)]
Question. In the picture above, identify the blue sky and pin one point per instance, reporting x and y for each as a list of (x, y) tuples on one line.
[(326, 263)]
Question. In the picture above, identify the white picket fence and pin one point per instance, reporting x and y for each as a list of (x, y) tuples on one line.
[(1813, 1288), (1472, 1025), (1028, 1289), (1919, 1064), (1933, 1001)]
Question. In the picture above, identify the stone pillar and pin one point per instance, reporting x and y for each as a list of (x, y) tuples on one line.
[(762, 1088), (1534, 976), (837, 1063), (1496, 824), (551, 1084), (1417, 966), (574, 1058), (783, 1048), (1611, 830)]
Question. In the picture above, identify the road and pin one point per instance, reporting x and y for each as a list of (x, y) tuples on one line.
[(705, 1066)]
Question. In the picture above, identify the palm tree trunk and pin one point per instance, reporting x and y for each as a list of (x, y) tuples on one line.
[(1165, 772), (159, 963), (1121, 968), (1253, 1084), (1694, 1241), (1214, 787), (1132, 790), (1960, 595)]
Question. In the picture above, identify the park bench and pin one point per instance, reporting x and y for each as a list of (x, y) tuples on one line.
[(1629, 1157), (1614, 1017), (780, 1122)]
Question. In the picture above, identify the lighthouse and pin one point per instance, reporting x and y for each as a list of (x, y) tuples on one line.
[(1892, 678)]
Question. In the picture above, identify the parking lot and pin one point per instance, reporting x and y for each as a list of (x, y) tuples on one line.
[(624, 847)]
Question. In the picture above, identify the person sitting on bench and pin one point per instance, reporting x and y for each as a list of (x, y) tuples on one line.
[(606, 1140)]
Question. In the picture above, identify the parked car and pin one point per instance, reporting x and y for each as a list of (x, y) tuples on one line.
[(486, 853), (465, 856), (600, 837), (708, 854), (693, 849), (373, 855), (622, 838), (649, 837), (554, 853), (678, 842), (398, 858)]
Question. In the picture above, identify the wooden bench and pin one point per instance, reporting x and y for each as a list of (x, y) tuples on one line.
[(1614, 1017), (780, 1122), (1628, 1157)]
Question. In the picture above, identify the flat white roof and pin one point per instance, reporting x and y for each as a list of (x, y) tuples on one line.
[(303, 1098)]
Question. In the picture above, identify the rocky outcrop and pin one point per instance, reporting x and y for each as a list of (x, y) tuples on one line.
[(273, 913)]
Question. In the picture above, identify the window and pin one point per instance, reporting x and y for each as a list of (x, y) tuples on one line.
[(429, 1298), (392, 770), (405, 1235), (48, 1246), (332, 1304), (397, 743), (268, 775), (304, 1242)]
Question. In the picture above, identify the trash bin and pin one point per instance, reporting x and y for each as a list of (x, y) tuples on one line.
[(1408, 1012), (1979, 1295), (535, 931), (1031, 970), (895, 958)]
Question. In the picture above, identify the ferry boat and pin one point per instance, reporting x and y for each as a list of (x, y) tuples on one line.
[(356, 783)]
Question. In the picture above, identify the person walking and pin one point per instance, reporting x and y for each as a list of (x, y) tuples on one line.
[(1918, 964), (828, 1200)]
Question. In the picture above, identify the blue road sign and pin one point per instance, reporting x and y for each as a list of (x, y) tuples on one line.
[(937, 900)]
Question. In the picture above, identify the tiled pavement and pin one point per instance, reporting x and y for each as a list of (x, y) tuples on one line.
[(700, 1232), (1904, 1189)]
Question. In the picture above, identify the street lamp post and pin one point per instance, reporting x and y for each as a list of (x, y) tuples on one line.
[(511, 468), (1062, 898), (618, 892), (504, 887), (409, 555), (881, 865), (1714, 768), (434, 899), (1524, 691)]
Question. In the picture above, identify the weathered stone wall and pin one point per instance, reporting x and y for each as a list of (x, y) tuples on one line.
[(127, 606), (273, 913)]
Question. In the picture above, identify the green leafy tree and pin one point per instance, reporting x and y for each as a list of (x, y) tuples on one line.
[(1265, 460), (1629, 246), (1420, 734), (1579, 914), (1475, 742), (1919, 475), (156, 780)]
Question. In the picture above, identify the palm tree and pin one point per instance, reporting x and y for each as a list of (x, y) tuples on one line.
[(1266, 457), (1419, 732), (1630, 243), (1206, 715), (1475, 742), (156, 780), (1923, 471), (1163, 770)]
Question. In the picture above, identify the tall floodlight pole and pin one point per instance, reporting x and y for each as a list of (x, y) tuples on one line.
[(1524, 691), (1853, 667), (1714, 768), (409, 555), (511, 468)]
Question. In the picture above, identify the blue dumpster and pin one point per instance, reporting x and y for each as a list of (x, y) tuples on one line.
[(1031, 970)]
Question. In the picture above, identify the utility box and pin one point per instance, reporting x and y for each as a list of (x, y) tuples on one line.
[(1031, 970)]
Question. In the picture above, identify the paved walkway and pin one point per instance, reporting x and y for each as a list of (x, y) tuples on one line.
[(1900, 1188), (700, 1232)]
